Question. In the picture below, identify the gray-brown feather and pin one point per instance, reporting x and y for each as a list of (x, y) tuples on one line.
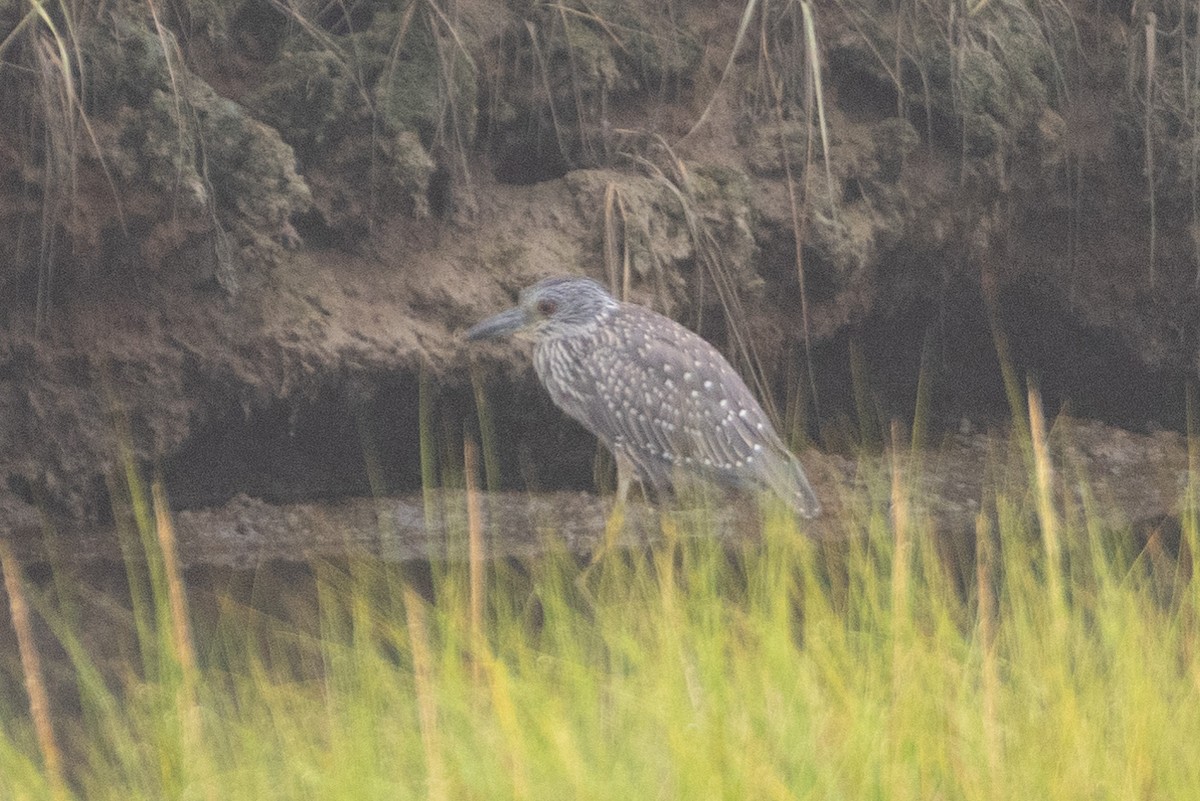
[(667, 400)]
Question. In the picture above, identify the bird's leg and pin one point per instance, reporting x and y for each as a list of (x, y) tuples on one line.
[(624, 480), (616, 518), (613, 524), (669, 528)]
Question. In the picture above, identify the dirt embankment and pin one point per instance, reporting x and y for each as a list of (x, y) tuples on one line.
[(241, 244)]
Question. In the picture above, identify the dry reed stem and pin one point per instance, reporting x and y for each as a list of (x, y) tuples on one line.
[(1151, 33), (902, 547), (743, 25), (35, 686), (610, 235), (814, 57), (900, 612), (422, 660), (614, 207), (506, 714), (180, 628), (181, 633), (474, 540), (1008, 374), (990, 670), (487, 430), (799, 215), (429, 456), (1191, 535), (1047, 517)]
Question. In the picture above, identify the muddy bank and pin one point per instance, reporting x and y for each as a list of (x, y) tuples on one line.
[(1135, 481), (242, 250)]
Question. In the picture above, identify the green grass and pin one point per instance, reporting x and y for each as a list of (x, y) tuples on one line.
[(782, 668)]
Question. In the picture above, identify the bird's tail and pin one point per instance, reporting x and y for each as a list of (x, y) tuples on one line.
[(787, 480)]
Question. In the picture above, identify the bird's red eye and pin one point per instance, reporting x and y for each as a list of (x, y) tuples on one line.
[(546, 307)]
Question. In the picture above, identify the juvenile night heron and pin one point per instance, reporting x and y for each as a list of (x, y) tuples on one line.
[(661, 399)]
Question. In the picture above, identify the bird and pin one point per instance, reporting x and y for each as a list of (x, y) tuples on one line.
[(663, 400)]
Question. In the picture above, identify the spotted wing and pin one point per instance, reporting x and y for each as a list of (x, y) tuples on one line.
[(706, 420), (666, 400)]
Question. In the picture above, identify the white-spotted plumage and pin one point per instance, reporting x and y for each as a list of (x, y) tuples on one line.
[(660, 397)]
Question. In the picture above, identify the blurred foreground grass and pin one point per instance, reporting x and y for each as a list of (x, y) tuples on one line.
[(1063, 663)]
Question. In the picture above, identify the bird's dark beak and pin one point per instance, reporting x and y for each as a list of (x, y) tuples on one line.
[(504, 323)]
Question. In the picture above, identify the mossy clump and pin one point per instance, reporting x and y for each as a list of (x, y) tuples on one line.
[(251, 170), (855, 203), (367, 110), (420, 83), (570, 67), (990, 75), (997, 95), (667, 226), (183, 160), (311, 98), (653, 228), (980, 83)]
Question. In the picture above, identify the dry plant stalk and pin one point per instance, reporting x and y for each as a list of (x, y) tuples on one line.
[(614, 207), (506, 714), (901, 559), (1151, 31), (990, 679), (422, 660), (902, 547), (1047, 518), (35, 686), (487, 430), (180, 628), (474, 540)]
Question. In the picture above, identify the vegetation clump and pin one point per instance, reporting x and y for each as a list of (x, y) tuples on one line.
[(571, 71), (1056, 658), (367, 111), (139, 117), (665, 224)]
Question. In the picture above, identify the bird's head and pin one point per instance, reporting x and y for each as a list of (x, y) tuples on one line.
[(550, 308)]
